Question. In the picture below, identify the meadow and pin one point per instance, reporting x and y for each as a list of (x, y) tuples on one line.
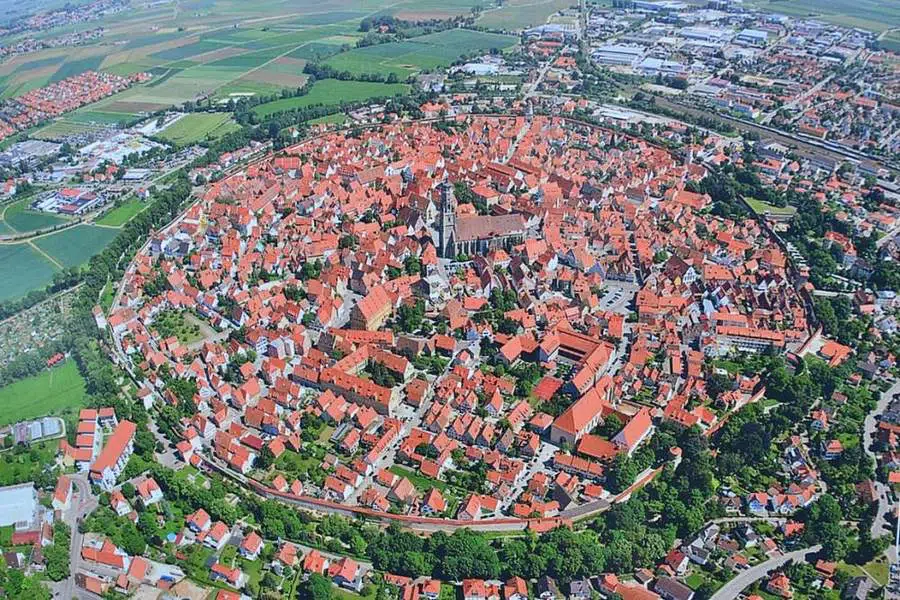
[(50, 392), (333, 91), (198, 127)]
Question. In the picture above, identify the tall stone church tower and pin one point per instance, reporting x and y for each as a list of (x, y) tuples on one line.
[(446, 228)]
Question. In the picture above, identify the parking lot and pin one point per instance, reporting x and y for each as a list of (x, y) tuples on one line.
[(617, 296)]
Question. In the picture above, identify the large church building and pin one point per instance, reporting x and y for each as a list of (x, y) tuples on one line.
[(475, 234)]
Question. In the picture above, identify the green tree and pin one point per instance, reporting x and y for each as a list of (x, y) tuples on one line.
[(316, 587)]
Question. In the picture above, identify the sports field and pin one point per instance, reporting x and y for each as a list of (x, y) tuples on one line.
[(198, 127), (333, 91), (48, 393)]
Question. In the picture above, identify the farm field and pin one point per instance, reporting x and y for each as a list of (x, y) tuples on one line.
[(20, 219), (63, 128), (50, 392), (22, 269), (876, 15), (231, 48), (198, 127), (74, 246), (333, 91), (425, 52), (521, 14), (122, 214)]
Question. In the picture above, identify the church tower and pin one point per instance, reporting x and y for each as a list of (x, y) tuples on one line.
[(447, 221)]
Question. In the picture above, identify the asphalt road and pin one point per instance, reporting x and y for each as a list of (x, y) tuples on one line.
[(83, 504), (880, 523), (734, 587)]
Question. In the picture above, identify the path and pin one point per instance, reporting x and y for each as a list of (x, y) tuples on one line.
[(746, 578), (45, 255)]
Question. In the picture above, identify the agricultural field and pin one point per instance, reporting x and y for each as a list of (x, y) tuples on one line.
[(890, 41), (50, 392), (198, 127), (19, 218), (22, 269), (333, 91), (413, 55), (875, 15), (76, 245), (63, 128), (30, 265), (230, 49), (515, 15)]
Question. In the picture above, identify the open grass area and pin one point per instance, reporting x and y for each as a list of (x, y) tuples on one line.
[(761, 208), (421, 482), (22, 269), (21, 219), (76, 245), (875, 15), (425, 52), (333, 91), (335, 119), (123, 213), (521, 14), (63, 128), (198, 127), (50, 392)]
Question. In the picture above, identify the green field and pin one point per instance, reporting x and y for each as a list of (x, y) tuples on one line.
[(74, 246), (521, 14), (63, 128), (18, 217), (335, 119), (22, 269), (760, 208), (218, 48), (425, 52), (333, 91), (123, 213), (50, 392), (875, 15), (199, 127)]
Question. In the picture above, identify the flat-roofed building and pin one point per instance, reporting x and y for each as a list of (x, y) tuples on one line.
[(18, 505)]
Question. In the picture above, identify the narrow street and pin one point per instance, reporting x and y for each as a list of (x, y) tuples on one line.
[(746, 578)]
